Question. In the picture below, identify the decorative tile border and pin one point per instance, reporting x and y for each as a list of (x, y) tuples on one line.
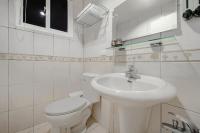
[(99, 59), (148, 57), (191, 55), (169, 52), (23, 57)]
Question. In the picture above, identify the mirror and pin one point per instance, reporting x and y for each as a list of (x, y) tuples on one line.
[(138, 18)]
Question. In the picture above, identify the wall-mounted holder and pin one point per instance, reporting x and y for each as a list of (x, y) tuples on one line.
[(197, 11), (156, 44), (185, 126), (91, 14), (189, 14)]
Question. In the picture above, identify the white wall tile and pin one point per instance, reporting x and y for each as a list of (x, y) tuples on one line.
[(78, 5), (120, 67), (4, 122), (21, 72), (61, 80), (20, 84), (98, 67), (39, 114), (20, 96), (43, 73), (21, 42), (76, 49), (61, 46), (3, 98), (75, 76), (43, 80), (148, 68), (43, 94), (20, 119), (3, 40), (43, 44), (3, 87), (185, 77), (4, 12), (3, 73), (12, 13), (76, 45)]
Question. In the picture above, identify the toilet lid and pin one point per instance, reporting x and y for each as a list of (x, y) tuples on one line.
[(65, 106)]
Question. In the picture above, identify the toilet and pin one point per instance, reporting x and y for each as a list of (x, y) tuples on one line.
[(69, 115)]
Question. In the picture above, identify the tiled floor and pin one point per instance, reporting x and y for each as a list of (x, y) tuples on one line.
[(45, 128), (96, 128), (42, 128)]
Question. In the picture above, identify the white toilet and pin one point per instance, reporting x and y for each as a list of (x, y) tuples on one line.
[(70, 115)]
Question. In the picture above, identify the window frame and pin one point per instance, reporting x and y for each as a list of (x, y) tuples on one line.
[(46, 30)]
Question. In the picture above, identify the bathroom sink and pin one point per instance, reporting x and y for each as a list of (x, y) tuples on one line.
[(146, 91), (133, 99)]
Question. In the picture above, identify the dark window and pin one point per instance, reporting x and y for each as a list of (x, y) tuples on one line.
[(34, 12), (59, 15)]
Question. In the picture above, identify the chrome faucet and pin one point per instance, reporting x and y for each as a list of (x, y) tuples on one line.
[(132, 74), (175, 128)]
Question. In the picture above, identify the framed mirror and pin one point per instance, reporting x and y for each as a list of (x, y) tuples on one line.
[(138, 18)]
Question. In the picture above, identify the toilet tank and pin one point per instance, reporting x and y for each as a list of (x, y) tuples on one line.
[(89, 93)]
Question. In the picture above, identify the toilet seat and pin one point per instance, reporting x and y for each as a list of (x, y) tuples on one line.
[(65, 106), (72, 113)]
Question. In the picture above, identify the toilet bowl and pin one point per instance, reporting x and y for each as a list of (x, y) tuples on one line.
[(69, 115)]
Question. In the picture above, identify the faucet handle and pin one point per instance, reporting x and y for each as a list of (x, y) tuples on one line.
[(175, 123), (185, 122), (132, 67)]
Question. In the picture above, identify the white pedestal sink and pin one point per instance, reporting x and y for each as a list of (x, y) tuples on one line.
[(134, 99)]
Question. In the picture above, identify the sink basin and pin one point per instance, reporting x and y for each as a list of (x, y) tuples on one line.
[(134, 100), (146, 91)]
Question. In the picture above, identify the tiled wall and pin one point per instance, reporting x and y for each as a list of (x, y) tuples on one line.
[(35, 69), (177, 62)]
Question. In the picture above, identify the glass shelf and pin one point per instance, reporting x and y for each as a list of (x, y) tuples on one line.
[(162, 41)]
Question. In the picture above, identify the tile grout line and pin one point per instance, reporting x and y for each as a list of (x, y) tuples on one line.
[(33, 84), (182, 108), (53, 89), (160, 117), (160, 77), (8, 67)]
